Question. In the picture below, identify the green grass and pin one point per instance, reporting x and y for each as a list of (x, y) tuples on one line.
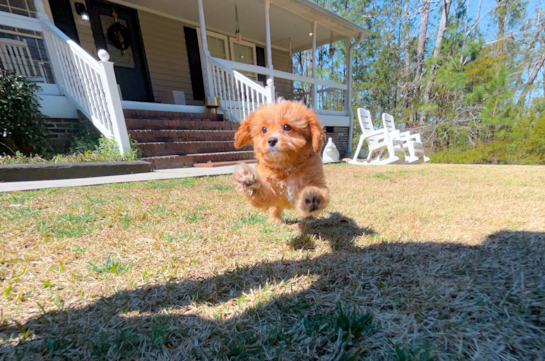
[(110, 265), (427, 262)]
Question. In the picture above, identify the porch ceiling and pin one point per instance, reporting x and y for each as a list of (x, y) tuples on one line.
[(289, 19)]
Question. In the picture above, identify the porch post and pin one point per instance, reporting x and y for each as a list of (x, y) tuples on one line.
[(43, 14), (205, 53), (268, 31), (348, 95), (314, 75), (41, 11)]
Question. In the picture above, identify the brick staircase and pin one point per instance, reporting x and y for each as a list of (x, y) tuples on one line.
[(175, 140)]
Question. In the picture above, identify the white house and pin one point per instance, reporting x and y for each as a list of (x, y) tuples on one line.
[(149, 68)]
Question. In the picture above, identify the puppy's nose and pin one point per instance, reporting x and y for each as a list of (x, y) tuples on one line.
[(272, 141)]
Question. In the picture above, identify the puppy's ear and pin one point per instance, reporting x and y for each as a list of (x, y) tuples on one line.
[(242, 136), (316, 131)]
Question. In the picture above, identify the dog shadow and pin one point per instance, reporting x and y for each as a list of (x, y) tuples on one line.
[(161, 319), (339, 231)]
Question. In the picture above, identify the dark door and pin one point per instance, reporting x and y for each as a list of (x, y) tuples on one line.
[(116, 29), (64, 18)]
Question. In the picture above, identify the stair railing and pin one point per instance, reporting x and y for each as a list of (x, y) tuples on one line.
[(238, 94), (90, 84)]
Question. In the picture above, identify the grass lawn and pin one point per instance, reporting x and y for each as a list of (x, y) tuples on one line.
[(441, 262)]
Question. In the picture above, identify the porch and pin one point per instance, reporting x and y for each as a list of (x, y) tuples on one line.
[(185, 52)]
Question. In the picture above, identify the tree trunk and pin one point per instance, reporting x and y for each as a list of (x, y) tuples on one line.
[(501, 13), (537, 67), (420, 54), (467, 18), (478, 14), (436, 51), (406, 81)]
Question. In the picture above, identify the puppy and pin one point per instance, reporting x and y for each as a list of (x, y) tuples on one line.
[(287, 139)]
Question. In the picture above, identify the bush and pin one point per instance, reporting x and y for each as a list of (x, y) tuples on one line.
[(22, 125), (523, 144), (105, 151), (85, 137)]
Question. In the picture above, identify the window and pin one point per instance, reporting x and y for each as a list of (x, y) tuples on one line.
[(217, 44), (244, 52), (19, 7)]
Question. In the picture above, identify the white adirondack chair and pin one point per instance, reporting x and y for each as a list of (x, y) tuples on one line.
[(379, 141), (411, 142), (15, 56)]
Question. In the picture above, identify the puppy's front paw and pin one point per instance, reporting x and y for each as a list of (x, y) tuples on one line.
[(313, 199), (246, 176)]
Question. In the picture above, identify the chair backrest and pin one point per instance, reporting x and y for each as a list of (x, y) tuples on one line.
[(15, 56), (364, 117), (366, 124), (388, 122)]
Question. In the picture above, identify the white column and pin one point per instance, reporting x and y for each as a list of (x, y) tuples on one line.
[(268, 32), (111, 92), (314, 75), (348, 94), (41, 11), (43, 14), (348, 80), (205, 53)]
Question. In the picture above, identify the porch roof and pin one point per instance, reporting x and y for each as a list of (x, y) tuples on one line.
[(289, 19)]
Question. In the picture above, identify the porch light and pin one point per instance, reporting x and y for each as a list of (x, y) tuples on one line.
[(82, 11), (309, 34)]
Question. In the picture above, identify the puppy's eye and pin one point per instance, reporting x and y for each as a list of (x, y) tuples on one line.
[(287, 128), (264, 130)]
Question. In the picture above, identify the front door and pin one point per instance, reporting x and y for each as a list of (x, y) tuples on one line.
[(117, 30)]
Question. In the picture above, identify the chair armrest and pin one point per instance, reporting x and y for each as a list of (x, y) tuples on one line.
[(374, 133)]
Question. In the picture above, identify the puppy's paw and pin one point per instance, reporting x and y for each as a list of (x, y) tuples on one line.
[(246, 176), (313, 200)]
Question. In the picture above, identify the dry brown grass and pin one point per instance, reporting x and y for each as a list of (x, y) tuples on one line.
[(434, 261)]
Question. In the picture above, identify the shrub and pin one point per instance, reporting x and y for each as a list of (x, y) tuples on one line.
[(22, 125), (85, 137), (106, 151)]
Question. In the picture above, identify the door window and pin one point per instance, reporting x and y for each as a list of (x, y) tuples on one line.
[(244, 52), (217, 44)]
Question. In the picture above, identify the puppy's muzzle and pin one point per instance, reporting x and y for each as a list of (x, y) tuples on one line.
[(272, 141)]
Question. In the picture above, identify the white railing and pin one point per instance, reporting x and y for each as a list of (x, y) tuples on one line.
[(90, 84), (330, 94), (238, 94), (16, 57)]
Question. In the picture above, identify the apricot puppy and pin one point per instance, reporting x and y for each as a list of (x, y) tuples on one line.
[(287, 139)]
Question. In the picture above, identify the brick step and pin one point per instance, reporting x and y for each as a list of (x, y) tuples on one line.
[(180, 161), (154, 114), (188, 124), (188, 148), (223, 164), (144, 136)]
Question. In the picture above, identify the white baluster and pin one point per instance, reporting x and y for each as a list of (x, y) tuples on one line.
[(223, 88), (114, 101)]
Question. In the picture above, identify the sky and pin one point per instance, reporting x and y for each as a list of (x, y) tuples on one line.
[(487, 27)]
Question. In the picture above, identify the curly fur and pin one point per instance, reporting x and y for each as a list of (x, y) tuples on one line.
[(290, 173)]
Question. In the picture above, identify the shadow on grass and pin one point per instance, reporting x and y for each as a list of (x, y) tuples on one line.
[(399, 301)]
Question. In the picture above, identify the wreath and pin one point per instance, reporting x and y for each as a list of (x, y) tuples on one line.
[(119, 36)]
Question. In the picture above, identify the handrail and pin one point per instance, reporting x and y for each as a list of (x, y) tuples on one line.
[(235, 65), (90, 84), (238, 94), (304, 79)]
